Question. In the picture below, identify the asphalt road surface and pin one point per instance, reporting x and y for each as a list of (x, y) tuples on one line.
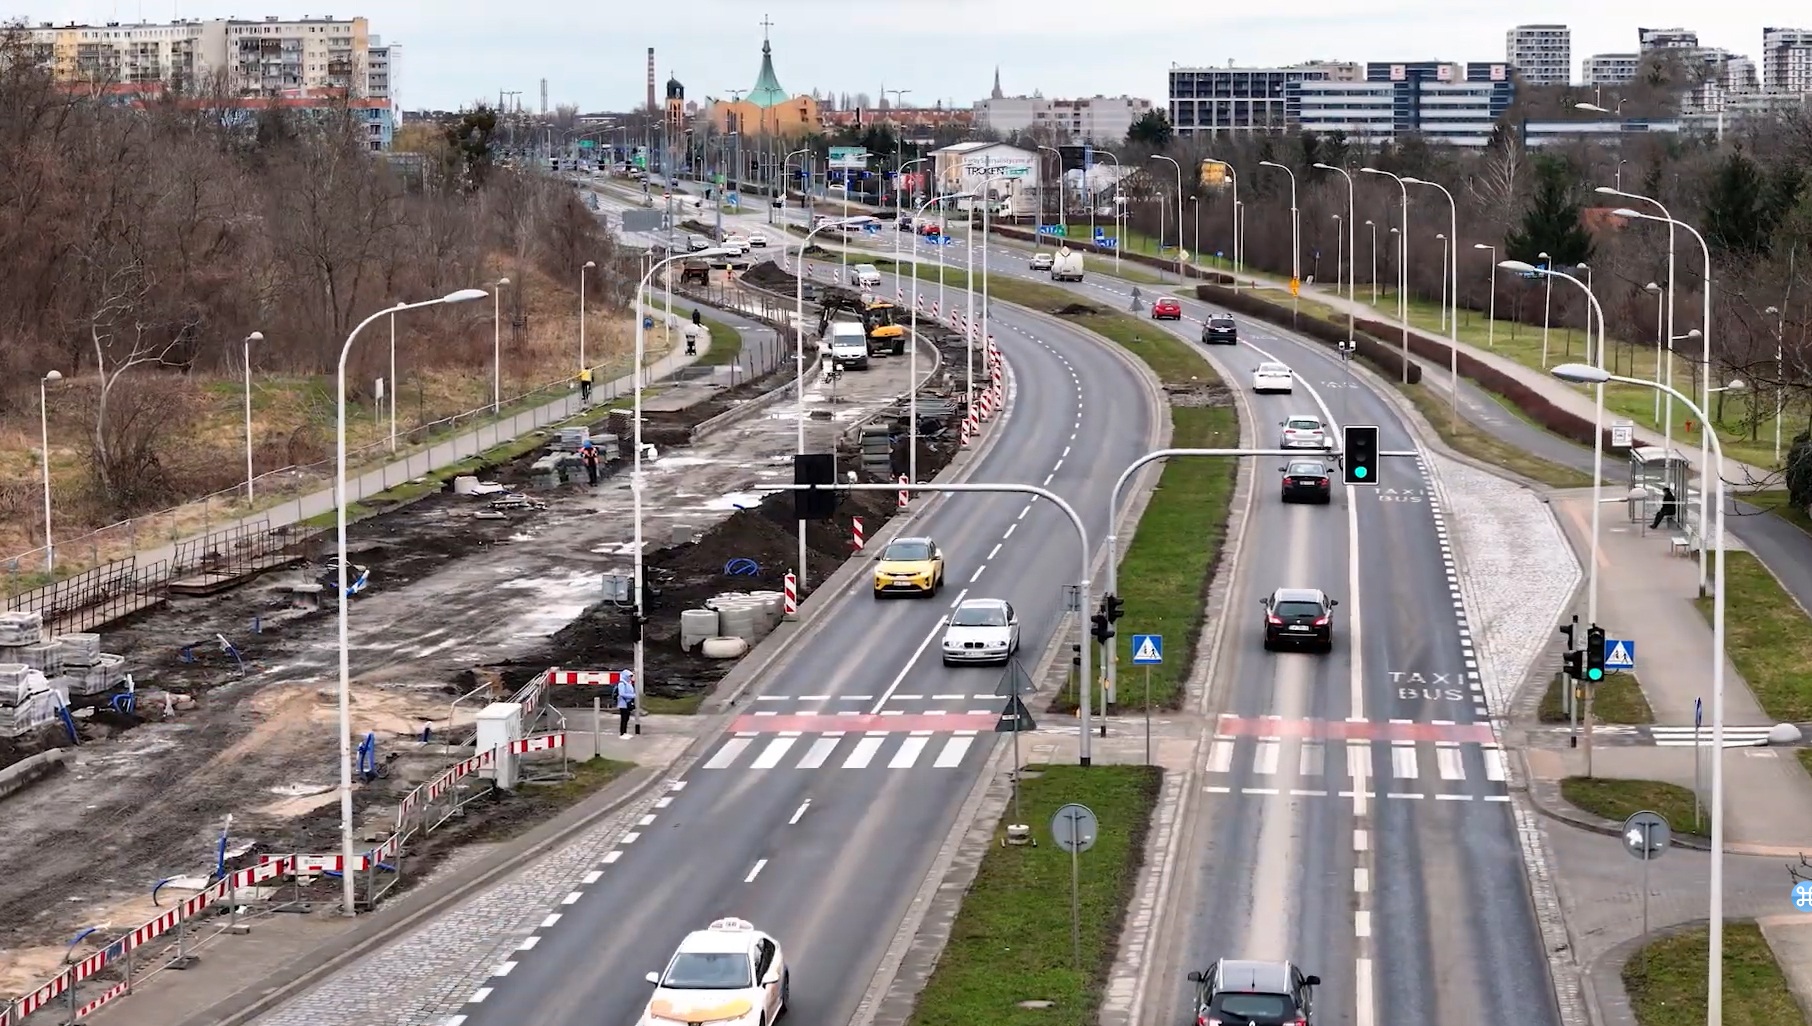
[(800, 820)]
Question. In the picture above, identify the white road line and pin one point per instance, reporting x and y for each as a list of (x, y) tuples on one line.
[(727, 755), (550, 920), (952, 755), (820, 750), (1047, 479), (630, 838), (995, 551), (912, 661), (1310, 759), (1023, 512), (1362, 923), (504, 969), (753, 873), (771, 755), (479, 995), (1358, 762), (1058, 467), (647, 820), (976, 576), (1264, 762), (528, 944), (664, 801), (592, 877), (1220, 756), (1364, 1012), (677, 785), (953, 698), (572, 898), (1403, 763), (1362, 880), (610, 858), (1362, 840), (863, 754), (1450, 763), (908, 753), (1494, 764), (1010, 529), (958, 600)]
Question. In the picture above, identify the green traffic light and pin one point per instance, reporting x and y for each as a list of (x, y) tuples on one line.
[(1358, 471), (1595, 674)]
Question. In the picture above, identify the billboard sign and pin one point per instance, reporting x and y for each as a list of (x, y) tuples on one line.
[(848, 158), (998, 168)]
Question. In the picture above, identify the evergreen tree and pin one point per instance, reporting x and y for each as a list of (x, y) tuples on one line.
[(1735, 210), (1551, 224), (1799, 472), (1152, 130)]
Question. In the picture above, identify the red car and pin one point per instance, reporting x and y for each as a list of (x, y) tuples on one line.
[(1166, 310)]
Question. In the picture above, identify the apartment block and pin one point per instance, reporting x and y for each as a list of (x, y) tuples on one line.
[(1208, 101), (1787, 60), (1102, 119), (270, 58), (1610, 69), (1666, 39), (1447, 103), (1541, 54)]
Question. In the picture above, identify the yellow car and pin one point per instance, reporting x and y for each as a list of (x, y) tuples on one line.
[(911, 566)]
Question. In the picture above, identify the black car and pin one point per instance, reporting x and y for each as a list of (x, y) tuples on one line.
[(1220, 330), (1237, 992), (1299, 617), (1307, 481)]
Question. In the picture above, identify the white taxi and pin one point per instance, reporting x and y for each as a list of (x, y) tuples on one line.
[(728, 974), (1273, 377)]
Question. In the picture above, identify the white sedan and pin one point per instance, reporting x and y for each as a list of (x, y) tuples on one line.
[(982, 630), (758, 240), (728, 974), (1273, 377)]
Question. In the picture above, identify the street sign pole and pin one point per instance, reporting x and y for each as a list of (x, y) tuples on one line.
[(1646, 837), (1148, 715), (1698, 758), (1147, 651), (1074, 829)]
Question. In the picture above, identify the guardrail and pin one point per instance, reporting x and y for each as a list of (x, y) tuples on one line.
[(167, 941)]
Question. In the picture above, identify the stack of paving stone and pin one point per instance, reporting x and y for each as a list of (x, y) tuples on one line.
[(86, 669), (571, 439), (877, 451), (26, 699)]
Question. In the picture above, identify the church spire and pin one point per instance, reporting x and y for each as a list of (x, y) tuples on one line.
[(997, 94), (767, 91)]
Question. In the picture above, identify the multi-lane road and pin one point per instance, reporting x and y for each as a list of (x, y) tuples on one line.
[(818, 813), (1354, 814)]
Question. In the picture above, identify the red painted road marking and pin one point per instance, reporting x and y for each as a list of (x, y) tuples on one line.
[(1344, 730), (819, 723)]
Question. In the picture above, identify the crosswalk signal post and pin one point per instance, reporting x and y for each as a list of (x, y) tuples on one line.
[(1359, 454), (1594, 654)]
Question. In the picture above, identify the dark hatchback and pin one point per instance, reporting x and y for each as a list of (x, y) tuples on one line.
[(1299, 617), (1238, 992), (1220, 330), (1307, 481)]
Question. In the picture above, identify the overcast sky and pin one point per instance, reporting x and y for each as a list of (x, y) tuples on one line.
[(594, 54)]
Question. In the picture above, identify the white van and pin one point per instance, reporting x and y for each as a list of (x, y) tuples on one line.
[(867, 276), (849, 345)]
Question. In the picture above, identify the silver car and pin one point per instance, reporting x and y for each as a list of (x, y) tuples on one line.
[(1301, 431), (982, 630)]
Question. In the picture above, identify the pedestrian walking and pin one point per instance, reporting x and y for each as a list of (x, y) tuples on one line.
[(585, 385), (625, 702), (1670, 509), (588, 455)]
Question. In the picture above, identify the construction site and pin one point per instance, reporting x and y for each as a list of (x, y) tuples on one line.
[(228, 744)]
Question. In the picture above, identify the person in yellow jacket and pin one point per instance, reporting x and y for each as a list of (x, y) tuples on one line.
[(585, 385)]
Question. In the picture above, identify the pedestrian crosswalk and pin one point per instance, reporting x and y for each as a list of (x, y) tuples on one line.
[(1444, 770), (1687, 737), (829, 750)]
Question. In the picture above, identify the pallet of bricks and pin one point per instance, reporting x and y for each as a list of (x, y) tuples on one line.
[(39, 677)]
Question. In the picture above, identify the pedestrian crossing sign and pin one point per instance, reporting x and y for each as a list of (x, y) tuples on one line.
[(1619, 654), (1147, 649)]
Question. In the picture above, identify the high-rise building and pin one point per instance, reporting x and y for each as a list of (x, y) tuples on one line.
[(1787, 60), (1610, 69), (1101, 119), (1214, 100), (1452, 104), (1667, 39), (1542, 54), (268, 58)]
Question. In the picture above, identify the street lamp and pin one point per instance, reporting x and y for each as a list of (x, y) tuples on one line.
[(1780, 375), (1373, 225), (1452, 286), (497, 345), (780, 187), (245, 350), (586, 266), (1714, 990), (1179, 170), (1295, 229), (1120, 205), (1402, 264), (1442, 236), (50, 377), (1233, 177), (1352, 226), (1668, 378), (1596, 109), (1547, 306), (1705, 356), (912, 373), (1491, 316), (799, 360), (348, 878), (1062, 207)]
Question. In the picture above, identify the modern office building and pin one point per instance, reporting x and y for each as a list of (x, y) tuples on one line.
[(1610, 69), (1208, 101), (268, 58), (1787, 60), (1541, 54), (1452, 104)]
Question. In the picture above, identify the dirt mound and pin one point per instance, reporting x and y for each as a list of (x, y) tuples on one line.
[(1077, 310), (1198, 393), (768, 275)]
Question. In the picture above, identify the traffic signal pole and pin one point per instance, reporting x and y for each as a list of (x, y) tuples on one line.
[(1082, 583), (1111, 657)]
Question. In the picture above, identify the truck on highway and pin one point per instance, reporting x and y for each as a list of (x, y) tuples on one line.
[(848, 346), (1066, 265)]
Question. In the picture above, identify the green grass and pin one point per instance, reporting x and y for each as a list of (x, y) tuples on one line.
[(1464, 436), (1775, 501), (587, 777), (1618, 699), (1011, 939), (1666, 980), (659, 705), (726, 343), (1618, 799), (1768, 636)]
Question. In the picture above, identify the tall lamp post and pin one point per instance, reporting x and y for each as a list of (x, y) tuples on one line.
[(245, 351), (799, 362), (1179, 170), (1668, 377), (1452, 288), (1063, 217), (780, 186), (1119, 207), (1441, 237), (49, 378), (1295, 228), (586, 266), (1238, 252), (496, 345), (899, 176), (1402, 264), (1714, 991), (348, 878), (1491, 315), (1352, 227), (1373, 225), (1780, 374), (1705, 466), (912, 373)]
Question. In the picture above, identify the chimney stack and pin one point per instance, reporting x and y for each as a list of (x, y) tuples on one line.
[(652, 103)]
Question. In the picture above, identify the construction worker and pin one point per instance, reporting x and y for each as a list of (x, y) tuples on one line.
[(585, 385), (588, 455)]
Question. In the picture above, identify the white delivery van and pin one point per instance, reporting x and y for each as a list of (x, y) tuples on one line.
[(849, 345), (867, 277), (1067, 265)]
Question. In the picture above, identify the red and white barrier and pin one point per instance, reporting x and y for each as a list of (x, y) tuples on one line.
[(538, 743), (968, 426), (905, 500), (855, 526), (792, 596), (586, 678)]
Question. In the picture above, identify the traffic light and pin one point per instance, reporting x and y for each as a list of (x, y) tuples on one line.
[(1103, 628), (1359, 456), (1575, 664), (1114, 607), (1594, 654), (815, 468)]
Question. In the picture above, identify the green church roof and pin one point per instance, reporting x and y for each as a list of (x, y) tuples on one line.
[(767, 91)]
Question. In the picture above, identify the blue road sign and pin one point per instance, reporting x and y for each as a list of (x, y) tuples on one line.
[(1049, 229), (1619, 654), (1147, 649), (1802, 896)]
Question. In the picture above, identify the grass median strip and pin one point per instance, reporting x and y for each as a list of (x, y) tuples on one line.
[(1617, 699), (1769, 641), (726, 342), (1666, 979), (1010, 944), (1479, 444), (1617, 799)]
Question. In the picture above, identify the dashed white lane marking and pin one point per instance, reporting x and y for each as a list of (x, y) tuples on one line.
[(479, 995), (591, 877), (995, 551), (753, 873), (504, 969), (572, 898), (976, 576), (528, 943), (552, 918)]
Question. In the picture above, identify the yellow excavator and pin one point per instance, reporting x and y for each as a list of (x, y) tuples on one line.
[(885, 327)]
